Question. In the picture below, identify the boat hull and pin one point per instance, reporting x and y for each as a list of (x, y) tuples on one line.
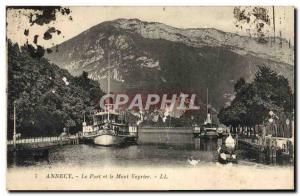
[(108, 140)]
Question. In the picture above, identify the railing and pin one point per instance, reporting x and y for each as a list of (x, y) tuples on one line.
[(164, 127), (40, 140)]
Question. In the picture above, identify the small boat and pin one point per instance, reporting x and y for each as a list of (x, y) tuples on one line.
[(226, 152), (207, 129)]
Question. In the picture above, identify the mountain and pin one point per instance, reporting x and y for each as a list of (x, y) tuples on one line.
[(47, 98), (154, 57)]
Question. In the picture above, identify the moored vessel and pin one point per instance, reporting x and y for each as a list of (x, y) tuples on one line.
[(208, 129), (110, 126)]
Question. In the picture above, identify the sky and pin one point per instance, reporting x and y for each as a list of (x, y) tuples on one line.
[(182, 17)]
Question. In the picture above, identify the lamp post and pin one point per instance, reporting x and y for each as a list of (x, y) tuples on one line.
[(15, 130), (287, 122), (272, 119)]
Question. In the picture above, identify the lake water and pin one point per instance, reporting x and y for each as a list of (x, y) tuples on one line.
[(156, 147)]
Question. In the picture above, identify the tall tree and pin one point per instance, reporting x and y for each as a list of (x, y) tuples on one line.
[(253, 101), (46, 97)]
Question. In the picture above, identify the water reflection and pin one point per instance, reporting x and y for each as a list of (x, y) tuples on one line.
[(154, 148), (207, 144), (27, 158)]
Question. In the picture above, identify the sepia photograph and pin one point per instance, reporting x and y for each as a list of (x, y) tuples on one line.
[(152, 98)]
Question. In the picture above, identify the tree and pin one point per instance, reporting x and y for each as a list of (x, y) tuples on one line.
[(274, 89), (255, 20), (232, 115), (253, 101), (44, 101)]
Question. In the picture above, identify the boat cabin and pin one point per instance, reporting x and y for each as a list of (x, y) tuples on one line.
[(112, 117)]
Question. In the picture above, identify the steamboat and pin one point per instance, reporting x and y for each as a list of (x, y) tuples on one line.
[(208, 129), (109, 126)]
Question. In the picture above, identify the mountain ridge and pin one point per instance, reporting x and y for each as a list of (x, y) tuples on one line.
[(121, 21), (143, 60)]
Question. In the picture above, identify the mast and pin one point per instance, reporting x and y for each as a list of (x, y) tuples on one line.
[(108, 77), (208, 117), (108, 85), (206, 101)]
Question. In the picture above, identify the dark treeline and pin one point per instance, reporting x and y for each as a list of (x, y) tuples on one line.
[(253, 102), (47, 98)]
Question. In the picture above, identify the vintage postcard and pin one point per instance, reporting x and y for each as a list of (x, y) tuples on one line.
[(150, 98)]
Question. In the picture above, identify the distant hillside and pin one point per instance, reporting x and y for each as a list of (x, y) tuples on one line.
[(47, 97), (151, 57)]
